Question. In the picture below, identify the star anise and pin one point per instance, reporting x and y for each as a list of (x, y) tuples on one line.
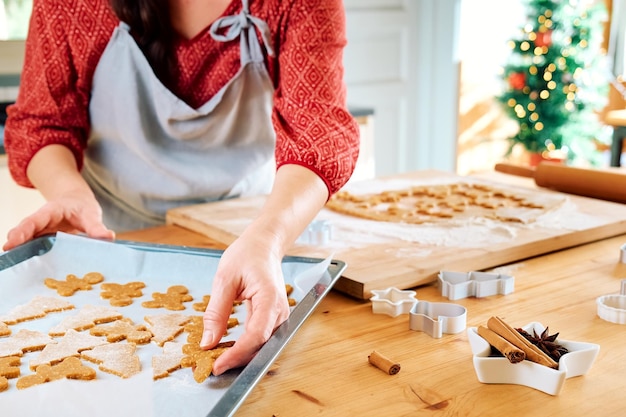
[(546, 343)]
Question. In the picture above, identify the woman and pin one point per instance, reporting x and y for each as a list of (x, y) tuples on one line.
[(128, 108)]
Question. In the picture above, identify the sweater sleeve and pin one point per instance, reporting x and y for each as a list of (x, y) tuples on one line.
[(63, 46), (313, 126)]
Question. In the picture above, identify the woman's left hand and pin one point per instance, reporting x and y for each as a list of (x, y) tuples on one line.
[(249, 271)]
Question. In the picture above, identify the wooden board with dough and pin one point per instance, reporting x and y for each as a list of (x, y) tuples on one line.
[(402, 230)]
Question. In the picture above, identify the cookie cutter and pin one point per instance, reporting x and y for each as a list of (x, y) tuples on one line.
[(622, 254), (392, 301), (432, 318), (498, 370), (437, 318), (318, 232), (457, 285), (612, 307)]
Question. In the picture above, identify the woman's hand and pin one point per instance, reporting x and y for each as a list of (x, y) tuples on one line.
[(76, 212), (250, 270), (71, 205)]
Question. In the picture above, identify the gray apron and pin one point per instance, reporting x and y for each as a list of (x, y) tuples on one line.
[(148, 151)]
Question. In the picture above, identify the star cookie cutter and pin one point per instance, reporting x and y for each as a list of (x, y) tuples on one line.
[(612, 307), (437, 318), (457, 285), (392, 301), (498, 370)]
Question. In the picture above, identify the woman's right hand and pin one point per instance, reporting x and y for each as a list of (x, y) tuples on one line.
[(76, 212), (71, 205)]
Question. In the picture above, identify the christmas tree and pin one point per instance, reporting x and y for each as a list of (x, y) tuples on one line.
[(555, 79)]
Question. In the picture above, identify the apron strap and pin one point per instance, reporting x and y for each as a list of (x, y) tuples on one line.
[(234, 25)]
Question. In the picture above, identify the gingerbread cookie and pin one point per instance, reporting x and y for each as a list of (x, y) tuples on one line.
[(442, 202), (86, 318), (123, 329), (195, 327), (71, 368), (4, 329), (24, 341), (166, 327), (69, 345), (72, 283), (201, 361), (168, 360), (289, 290), (201, 306), (116, 358), (120, 295), (173, 299), (36, 308), (9, 368)]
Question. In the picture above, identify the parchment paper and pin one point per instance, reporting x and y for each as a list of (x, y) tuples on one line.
[(109, 395)]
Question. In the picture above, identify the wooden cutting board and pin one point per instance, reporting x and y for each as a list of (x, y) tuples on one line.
[(381, 255)]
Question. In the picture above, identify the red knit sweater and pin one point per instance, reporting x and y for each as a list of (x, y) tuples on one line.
[(313, 127)]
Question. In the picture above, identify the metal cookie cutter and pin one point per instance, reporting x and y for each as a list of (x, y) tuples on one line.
[(392, 301), (318, 232), (622, 254), (612, 307), (438, 318), (457, 285)]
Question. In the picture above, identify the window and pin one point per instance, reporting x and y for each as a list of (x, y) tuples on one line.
[(14, 16)]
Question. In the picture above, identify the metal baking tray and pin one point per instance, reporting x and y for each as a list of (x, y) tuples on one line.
[(240, 382)]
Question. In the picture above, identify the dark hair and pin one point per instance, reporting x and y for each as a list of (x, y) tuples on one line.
[(150, 25)]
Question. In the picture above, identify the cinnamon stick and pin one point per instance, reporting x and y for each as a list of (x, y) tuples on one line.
[(509, 350), (533, 353), (383, 363)]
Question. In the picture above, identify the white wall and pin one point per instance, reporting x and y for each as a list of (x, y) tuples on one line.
[(401, 60)]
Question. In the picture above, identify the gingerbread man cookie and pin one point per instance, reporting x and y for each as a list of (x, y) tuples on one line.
[(173, 299), (201, 361), (4, 329), (121, 295), (9, 368), (71, 368), (123, 329), (72, 283)]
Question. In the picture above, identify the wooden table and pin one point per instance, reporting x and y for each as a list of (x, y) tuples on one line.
[(324, 370)]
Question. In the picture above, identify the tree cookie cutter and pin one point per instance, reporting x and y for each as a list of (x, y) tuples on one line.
[(431, 318), (612, 307), (457, 285)]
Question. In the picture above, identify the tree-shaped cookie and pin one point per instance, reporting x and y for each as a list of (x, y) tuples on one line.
[(116, 358)]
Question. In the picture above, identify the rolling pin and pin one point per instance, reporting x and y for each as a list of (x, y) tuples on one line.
[(603, 184)]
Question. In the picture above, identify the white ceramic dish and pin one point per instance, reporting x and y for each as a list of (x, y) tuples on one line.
[(498, 370)]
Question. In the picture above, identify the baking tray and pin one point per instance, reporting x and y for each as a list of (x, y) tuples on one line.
[(239, 383)]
